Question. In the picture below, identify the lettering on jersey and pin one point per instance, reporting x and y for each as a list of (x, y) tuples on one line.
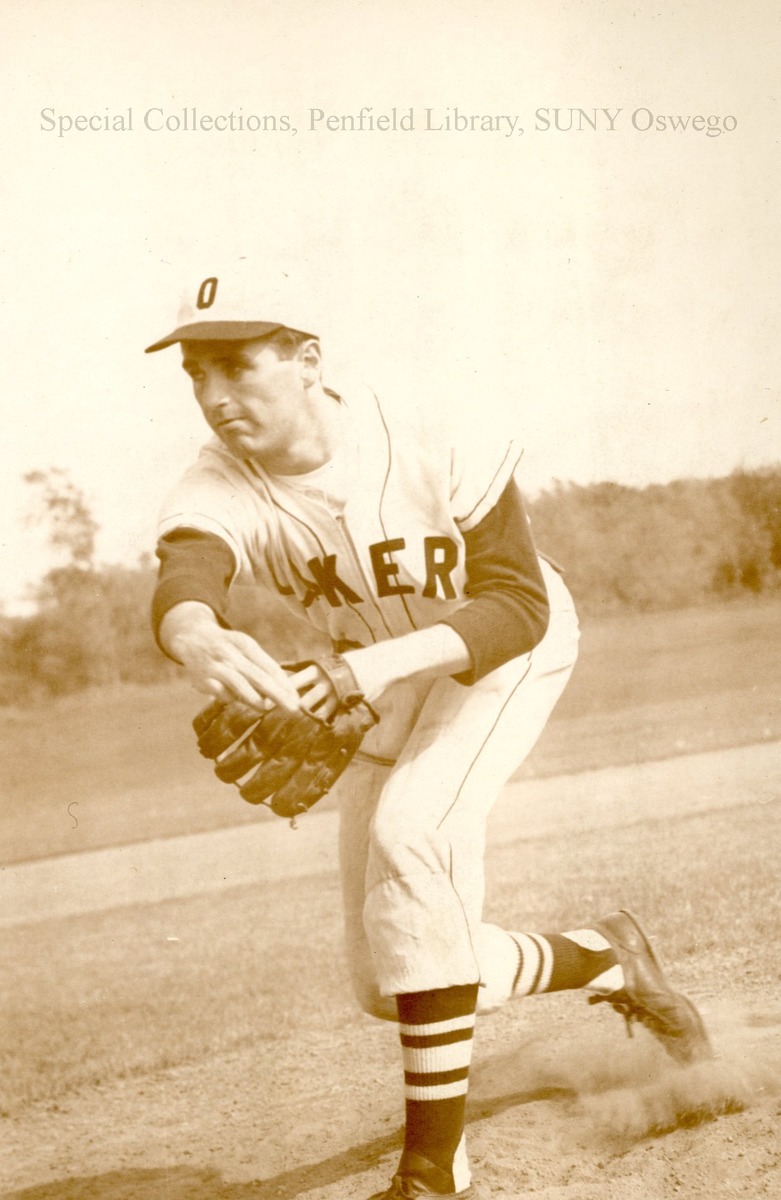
[(329, 583), (310, 589), (385, 569), (282, 588), (441, 560), (313, 589)]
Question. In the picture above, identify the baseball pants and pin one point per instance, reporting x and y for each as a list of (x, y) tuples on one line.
[(412, 834)]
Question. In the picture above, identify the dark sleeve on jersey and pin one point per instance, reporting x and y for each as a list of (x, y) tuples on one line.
[(508, 610), (193, 566)]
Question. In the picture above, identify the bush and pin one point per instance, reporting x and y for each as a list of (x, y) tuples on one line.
[(664, 546)]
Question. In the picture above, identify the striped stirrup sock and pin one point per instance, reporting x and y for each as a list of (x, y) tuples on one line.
[(436, 1031), (557, 962)]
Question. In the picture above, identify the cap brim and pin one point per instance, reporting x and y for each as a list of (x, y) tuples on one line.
[(216, 331)]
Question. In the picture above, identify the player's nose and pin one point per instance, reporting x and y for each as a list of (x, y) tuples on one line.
[(213, 391)]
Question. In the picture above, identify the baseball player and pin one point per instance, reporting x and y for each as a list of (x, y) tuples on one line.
[(404, 540)]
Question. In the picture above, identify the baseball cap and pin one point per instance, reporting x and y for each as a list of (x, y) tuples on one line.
[(238, 302)]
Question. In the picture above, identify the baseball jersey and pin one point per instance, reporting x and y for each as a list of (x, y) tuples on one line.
[(411, 522)]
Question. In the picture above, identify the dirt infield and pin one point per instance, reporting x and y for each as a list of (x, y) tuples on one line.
[(563, 1105)]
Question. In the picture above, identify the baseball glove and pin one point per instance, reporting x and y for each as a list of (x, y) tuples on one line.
[(286, 760)]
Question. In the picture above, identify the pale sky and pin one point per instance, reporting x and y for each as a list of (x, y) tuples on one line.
[(614, 290)]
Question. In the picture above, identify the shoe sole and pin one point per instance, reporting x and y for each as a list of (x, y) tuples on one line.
[(701, 1049), (469, 1194)]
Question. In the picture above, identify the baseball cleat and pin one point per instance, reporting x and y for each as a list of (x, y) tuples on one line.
[(647, 996), (417, 1176)]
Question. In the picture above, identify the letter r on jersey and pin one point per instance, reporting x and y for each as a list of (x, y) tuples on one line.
[(441, 559)]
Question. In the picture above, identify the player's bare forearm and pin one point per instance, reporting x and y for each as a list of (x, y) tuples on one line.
[(437, 650), (224, 663)]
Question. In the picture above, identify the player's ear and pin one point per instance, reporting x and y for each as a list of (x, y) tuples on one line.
[(310, 357)]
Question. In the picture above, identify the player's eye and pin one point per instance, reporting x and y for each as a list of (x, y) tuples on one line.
[(233, 369)]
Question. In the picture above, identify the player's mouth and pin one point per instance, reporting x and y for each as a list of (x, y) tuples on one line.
[(237, 431), (230, 423)]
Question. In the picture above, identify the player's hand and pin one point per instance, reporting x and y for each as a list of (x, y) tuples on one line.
[(371, 672), (330, 685), (316, 692), (225, 663)]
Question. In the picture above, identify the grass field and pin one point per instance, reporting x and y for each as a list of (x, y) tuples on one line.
[(134, 990), (209, 1047), (106, 768)]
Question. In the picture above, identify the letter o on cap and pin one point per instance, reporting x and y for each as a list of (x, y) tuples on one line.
[(207, 293)]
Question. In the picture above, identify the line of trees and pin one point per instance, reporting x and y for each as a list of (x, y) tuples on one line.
[(693, 541), (624, 548)]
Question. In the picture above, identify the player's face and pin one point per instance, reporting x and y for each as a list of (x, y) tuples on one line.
[(254, 400)]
